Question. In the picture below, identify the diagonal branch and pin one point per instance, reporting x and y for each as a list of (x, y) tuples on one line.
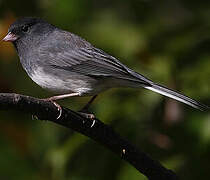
[(95, 129)]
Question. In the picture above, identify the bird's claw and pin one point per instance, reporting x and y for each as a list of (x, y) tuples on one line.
[(34, 117), (59, 109), (87, 115), (57, 106)]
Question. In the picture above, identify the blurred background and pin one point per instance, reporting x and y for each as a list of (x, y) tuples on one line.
[(167, 41)]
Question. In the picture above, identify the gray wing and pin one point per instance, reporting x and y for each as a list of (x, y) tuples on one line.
[(76, 55), (73, 54)]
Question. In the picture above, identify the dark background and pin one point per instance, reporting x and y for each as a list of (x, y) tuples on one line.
[(167, 41)]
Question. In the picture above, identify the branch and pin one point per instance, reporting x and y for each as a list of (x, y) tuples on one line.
[(95, 129)]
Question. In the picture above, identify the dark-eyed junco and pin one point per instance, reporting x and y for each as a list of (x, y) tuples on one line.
[(66, 64)]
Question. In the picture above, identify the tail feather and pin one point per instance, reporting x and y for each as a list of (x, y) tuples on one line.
[(177, 96)]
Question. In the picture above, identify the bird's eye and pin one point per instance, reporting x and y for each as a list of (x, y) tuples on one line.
[(25, 28)]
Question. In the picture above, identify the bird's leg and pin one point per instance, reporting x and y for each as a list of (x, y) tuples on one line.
[(84, 111), (54, 98), (86, 107)]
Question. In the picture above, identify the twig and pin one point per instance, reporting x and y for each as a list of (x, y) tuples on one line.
[(95, 129)]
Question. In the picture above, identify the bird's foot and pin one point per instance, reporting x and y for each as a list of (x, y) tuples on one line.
[(57, 106), (87, 115), (59, 109)]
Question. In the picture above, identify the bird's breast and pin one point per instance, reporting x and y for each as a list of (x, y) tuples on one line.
[(62, 84)]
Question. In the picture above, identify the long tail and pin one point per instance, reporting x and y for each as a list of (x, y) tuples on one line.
[(175, 95)]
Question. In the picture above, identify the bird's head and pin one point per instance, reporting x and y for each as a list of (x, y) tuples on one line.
[(27, 29)]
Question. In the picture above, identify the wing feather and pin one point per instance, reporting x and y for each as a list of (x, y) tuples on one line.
[(85, 59)]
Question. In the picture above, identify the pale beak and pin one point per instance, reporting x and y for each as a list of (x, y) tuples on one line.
[(10, 37)]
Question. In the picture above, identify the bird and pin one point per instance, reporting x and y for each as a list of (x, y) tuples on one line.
[(68, 65)]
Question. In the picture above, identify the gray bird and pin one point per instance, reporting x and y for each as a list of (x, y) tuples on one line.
[(66, 64)]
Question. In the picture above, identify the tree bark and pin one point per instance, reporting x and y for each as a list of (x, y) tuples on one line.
[(93, 128)]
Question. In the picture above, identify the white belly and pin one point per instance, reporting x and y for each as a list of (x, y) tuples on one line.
[(55, 84)]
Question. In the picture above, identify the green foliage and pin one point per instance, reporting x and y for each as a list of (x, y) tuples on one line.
[(167, 41)]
